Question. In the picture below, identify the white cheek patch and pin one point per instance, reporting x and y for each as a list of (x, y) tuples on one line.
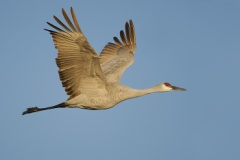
[(166, 88)]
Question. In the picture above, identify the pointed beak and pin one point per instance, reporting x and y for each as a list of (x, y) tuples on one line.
[(178, 88)]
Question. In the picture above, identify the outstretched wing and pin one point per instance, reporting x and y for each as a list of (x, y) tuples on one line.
[(116, 57), (79, 66)]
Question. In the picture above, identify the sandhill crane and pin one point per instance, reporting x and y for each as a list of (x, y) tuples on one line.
[(92, 81)]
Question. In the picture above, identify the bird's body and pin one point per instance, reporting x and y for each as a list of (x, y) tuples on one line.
[(92, 81), (115, 94)]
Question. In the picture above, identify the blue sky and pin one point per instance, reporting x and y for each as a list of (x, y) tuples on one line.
[(191, 44)]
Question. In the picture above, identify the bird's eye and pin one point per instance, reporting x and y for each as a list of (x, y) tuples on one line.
[(167, 84)]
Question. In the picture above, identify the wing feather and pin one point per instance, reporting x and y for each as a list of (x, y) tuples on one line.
[(68, 20), (118, 42), (63, 25), (116, 57), (74, 17), (78, 62), (123, 37)]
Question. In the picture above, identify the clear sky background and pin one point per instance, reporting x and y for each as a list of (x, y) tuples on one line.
[(191, 44)]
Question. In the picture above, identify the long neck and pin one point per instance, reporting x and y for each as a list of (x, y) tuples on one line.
[(128, 93), (146, 91)]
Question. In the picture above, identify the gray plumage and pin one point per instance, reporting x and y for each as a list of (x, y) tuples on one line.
[(92, 81)]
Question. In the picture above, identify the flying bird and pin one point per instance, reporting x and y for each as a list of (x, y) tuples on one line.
[(90, 80)]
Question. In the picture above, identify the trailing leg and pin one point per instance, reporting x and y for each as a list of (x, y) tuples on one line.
[(36, 109)]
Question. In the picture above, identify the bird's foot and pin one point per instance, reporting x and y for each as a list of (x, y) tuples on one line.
[(30, 110)]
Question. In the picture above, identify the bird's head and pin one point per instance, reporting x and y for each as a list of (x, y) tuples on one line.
[(166, 87)]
